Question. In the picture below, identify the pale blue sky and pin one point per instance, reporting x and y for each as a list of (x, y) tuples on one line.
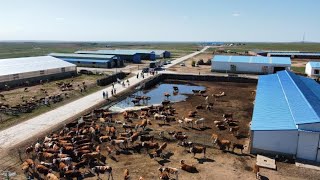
[(160, 20)]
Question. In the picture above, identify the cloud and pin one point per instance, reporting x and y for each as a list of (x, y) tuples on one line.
[(235, 14)]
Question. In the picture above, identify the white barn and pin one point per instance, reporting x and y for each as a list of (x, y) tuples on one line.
[(249, 64), (313, 69), (18, 71), (286, 116)]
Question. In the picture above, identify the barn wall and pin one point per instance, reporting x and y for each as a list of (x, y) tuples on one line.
[(308, 69), (243, 67), (36, 80), (284, 142), (310, 127)]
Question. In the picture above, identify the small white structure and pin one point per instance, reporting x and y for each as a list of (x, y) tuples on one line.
[(249, 64), (313, 69), (286, 116), (18, 71)]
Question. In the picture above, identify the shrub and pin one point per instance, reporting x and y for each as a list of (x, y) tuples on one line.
[(200, 62), (193, 64), (208, 62)]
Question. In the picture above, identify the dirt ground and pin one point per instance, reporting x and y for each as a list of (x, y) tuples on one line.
[(217, 164), (188, 67), (17, 95)]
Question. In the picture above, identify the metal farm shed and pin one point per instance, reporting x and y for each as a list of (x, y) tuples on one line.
[(90, 60), (313, 69), (286, 116), (122, 54), (19, 71), (249, 64)]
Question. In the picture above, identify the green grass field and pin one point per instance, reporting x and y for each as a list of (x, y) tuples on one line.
[(298, 69), (27, 49), (308, 47)]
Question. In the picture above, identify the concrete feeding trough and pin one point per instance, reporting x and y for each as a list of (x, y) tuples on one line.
[(266, 162)]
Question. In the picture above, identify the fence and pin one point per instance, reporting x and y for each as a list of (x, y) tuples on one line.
[(110, 79)]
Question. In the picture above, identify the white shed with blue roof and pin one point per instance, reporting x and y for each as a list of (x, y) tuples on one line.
[(313, 69), (286, 116), (249, 64)]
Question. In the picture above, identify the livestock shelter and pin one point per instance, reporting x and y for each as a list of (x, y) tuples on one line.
[(29, 70), (124, 55), (90, 60), (291, 54), (150, 54), (313, 69), (249, 64), (286, 116)]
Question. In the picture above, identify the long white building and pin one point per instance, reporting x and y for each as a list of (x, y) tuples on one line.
[(18, 71), (249, 64)]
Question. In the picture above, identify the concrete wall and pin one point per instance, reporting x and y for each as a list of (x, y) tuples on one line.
[(209, 78), (283, 142)]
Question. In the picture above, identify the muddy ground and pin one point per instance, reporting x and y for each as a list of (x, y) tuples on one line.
[(217, 164)]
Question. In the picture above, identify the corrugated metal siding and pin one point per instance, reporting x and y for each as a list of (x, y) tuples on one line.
[(271, 110), (282, 61), (31, 64), (284, 100), (276, 141), (314, 64)]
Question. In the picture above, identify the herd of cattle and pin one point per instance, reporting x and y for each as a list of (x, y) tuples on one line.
[(76, 151), (27, 105)]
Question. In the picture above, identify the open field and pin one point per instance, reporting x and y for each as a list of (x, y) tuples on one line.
[(216, 165), (26, 49), (188, 65), (308, 47), (16, 96)]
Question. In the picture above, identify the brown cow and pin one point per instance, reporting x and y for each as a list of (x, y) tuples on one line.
[(188, 168), (51, 176), (126, 174), (223, 144), (45, 156), (42, 169), (197, 150), (103, 169)]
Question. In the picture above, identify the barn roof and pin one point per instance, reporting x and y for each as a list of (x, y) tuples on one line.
[(30, 64), (285, 100), (252, 59), (314, 64), (90, 56), (108, 52)]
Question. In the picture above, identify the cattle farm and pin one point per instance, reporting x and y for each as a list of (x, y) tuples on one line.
[(182, 140)]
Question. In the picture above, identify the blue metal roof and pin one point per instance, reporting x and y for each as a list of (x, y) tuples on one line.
[(284, 100), (293, 54), (114, 52), (314, 64), (97, 61), (252, 59), (91, 56)]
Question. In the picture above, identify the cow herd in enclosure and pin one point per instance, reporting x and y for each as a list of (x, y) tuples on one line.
[(28, 104), (82, 148)]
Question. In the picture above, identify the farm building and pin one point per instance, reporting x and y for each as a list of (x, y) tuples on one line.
[(28, 70), (291, 54), (313, 69), (149, 54), (249, 64), (286, 116), (90, 60), (124, 55)]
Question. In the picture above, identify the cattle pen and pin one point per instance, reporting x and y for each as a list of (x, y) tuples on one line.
[(195, 134)]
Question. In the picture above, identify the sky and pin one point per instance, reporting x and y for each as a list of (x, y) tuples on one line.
[(160, 20)]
